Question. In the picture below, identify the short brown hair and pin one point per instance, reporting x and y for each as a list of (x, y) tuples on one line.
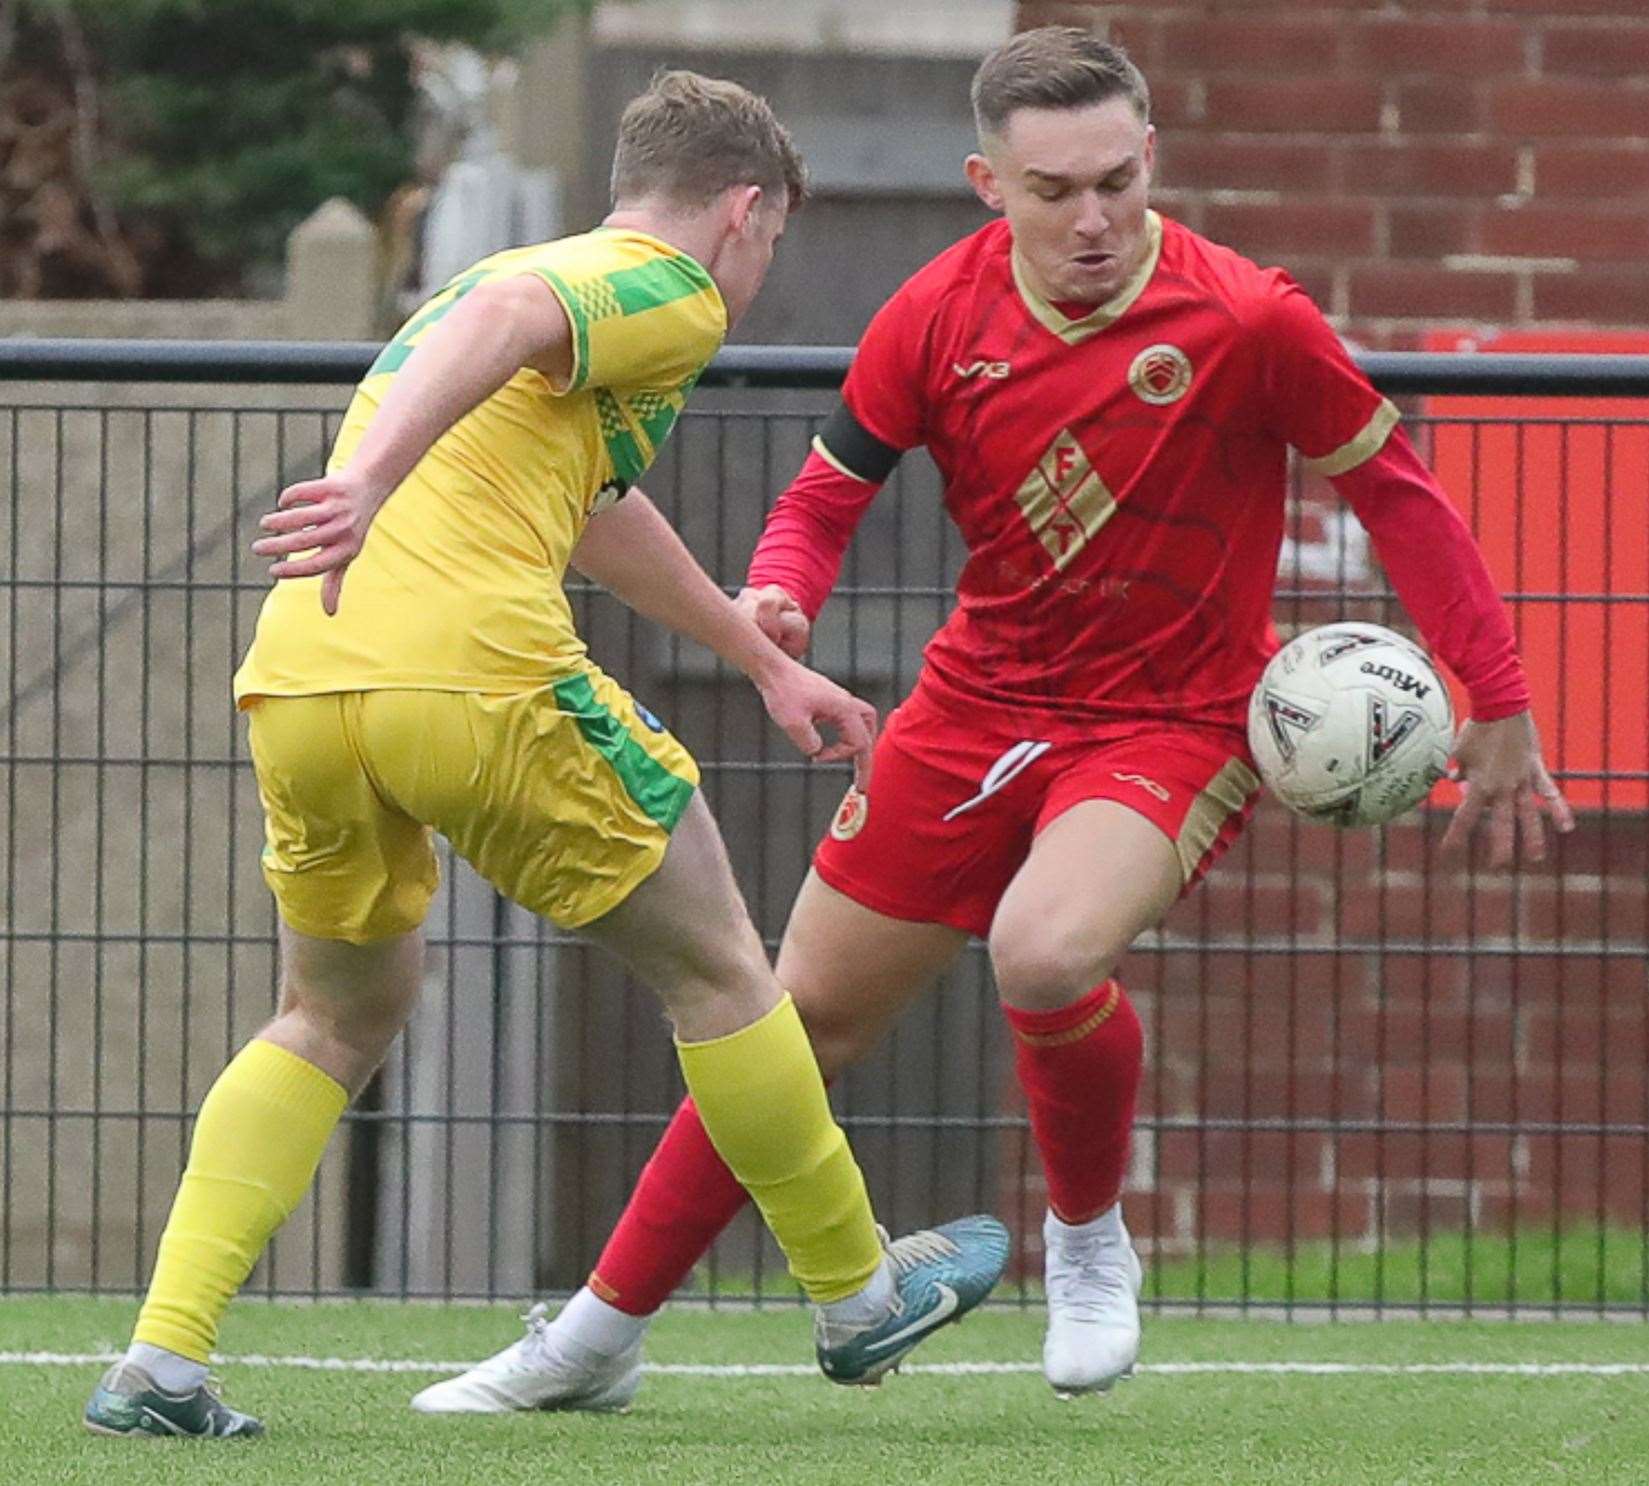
[(689, 137), (1054, 67)]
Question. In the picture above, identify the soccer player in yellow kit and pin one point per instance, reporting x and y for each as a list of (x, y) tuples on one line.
[(445, 689)]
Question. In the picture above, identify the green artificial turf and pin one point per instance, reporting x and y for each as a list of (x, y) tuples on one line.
[(338, 1427)]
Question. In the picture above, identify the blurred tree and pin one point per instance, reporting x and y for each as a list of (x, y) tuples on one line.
[(167, 147)]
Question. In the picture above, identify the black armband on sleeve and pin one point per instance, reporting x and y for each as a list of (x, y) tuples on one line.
[(849, 445)]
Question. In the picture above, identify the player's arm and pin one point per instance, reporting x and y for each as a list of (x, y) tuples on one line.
[(1349, 433), (473, 350), (1438, 571), (797, 560), (632, 551)]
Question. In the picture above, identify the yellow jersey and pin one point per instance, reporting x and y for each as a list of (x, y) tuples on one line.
[(458, 586)]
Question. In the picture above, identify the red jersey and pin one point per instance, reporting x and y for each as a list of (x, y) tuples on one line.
[(1119, 478)]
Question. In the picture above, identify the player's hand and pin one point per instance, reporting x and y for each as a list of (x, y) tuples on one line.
[(779, 617), (805, 704), (325, 521), (1503, 776)]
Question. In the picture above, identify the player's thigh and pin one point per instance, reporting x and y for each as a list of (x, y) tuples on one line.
[(685, 928), (343, 863), (853, 971), (1123, 831), (1096, 877)]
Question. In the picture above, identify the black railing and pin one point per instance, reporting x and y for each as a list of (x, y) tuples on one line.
[(1375, 1080)]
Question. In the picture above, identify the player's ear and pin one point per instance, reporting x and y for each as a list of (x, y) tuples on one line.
[(1150, 152), (982, 177), (745, 206)]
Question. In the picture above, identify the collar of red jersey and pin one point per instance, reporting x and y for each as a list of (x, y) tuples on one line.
[(1072, 331)]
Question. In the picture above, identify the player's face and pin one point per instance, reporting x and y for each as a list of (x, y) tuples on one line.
[(1072, 183), (747, 252)]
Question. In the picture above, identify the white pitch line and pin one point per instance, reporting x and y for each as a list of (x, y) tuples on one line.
[(944, 1369)]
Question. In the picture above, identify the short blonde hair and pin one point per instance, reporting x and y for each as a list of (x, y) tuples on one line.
[(1054, 67), (689, 137)]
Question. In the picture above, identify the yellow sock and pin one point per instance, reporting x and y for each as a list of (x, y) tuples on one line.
[(258, 1139), (763, 1103)]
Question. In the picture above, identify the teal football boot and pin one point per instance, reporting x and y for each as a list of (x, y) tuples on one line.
[(940, 1274), (128, 1402)]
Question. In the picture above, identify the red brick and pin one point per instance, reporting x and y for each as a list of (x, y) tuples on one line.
[(1436, 1155), (1529, 979), (1250, 43), (1578, 1036), (1141, 37), (1620, 911), (1615, 845), (1620, 49), (1567, 232), (1544, 9), (1426, 167), (1270, 1093), (1549, 108), (1412, 1208), (1294, 105), (1293, 227), (1431, 231), (1176, 103), (1033, 13), (1430, 107), (1606, 297), (1229, 908), (1220, 162), (1417, 1032), (1577, 1098), (1410, 912), (1270, 1214), (1447, 295), (1393, 46), (1599, 172), (1426, 1093)]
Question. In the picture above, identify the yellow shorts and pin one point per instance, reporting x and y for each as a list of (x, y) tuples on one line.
[(562, 798)]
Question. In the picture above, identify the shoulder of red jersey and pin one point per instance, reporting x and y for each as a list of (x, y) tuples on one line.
[(1250, 291)]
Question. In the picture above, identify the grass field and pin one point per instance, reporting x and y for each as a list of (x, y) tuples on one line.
[(1190, 1416)]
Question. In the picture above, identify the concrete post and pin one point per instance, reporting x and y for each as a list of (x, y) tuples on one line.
[(332, 275)]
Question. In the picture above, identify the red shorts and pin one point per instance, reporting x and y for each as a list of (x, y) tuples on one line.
[(957, 797)]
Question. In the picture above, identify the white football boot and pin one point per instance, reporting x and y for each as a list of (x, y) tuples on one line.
[(544, 1370), (1093, 1283)]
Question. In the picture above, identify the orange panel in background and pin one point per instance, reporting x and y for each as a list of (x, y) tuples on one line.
[(1557, 490)]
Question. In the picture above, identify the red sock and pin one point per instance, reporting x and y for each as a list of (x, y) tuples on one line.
[(1080, 1067), (683, 1200)]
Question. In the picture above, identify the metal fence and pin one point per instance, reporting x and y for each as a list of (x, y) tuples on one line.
[(1374, 1081)]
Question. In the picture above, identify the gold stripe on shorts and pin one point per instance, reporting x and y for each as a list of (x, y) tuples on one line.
[(1222, 798)]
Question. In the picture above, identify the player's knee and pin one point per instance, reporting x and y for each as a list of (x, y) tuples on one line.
[(838, 1041), (1043, 967)]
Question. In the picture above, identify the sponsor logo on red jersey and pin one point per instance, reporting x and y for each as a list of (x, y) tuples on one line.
[(1160, 374)]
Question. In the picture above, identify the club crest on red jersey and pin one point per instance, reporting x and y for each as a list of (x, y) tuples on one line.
[(850, 815), (1160, 374)]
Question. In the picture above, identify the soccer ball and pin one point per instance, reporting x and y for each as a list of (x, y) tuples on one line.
[(1351, 724)]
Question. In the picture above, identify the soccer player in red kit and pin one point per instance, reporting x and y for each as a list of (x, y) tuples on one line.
[(1110, 399)]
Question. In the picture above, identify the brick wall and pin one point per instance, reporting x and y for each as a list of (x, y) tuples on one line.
[(1459, 163)]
